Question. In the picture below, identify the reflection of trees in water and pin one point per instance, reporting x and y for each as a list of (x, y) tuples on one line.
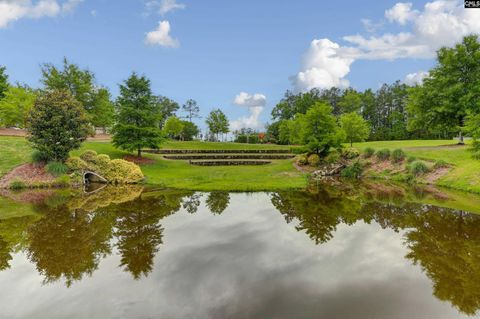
[(191, 203), (444, 242), (139, 232), (68, 243), (217, 202), (5, 255)]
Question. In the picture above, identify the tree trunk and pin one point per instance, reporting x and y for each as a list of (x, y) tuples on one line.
[(139, 153)]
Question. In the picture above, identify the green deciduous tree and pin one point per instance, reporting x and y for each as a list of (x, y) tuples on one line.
[(217, 123), (3, 82), (355, 127), (351, 101), (57, 124), (138, 116), (173, 127), (15, 105), (166, 107), (451, 91), (319, 129), (103, 110), (190, 131), (192, 109), (80, 83)]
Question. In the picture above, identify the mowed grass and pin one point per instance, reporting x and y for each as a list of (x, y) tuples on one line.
[(465, 172), (14, 151)]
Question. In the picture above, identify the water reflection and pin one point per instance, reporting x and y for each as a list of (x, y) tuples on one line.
[(66, 236)]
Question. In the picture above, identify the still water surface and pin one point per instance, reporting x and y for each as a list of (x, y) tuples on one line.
[(323, 253)]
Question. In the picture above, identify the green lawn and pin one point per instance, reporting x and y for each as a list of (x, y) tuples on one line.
[(13, 152), (465, 174)]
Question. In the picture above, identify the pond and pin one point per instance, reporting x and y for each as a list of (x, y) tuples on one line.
[(332, 251)]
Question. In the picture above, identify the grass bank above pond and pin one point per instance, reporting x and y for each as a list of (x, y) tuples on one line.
[(465, 172), (279, 175)]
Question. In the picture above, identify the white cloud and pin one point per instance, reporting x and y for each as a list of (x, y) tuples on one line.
[(164, 6), (255, 103), (401, 12), (161, 36), (440, 23), (13, 10), (415, 78), (323, 66)]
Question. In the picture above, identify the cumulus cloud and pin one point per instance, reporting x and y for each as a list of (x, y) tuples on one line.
[(161, 36), (255, 103), (439, 23), (415, 78), (13, 10), (401, 12)]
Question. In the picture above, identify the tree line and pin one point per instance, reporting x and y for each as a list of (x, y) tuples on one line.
[(445, 105)]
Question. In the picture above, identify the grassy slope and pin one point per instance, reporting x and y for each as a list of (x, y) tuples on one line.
[(465, 174)]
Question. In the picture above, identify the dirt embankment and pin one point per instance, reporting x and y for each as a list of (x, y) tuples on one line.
[(30, 174)]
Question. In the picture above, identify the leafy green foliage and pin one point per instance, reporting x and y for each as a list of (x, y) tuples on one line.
[(350, 153), (17, 185), (138, 116), (383, 154), (352, 171), (165, 107), (57, 124), (351, 101), (368, 152), (102, 113), (173, 127), (398, 155), (56, 168), (452, 90), (3, 82), (472, 126), (418, 168), (319, 129), (39, 157), (190, 131), (15, 105), (75, 163), (355, 127), (217, 122), (302, 159)]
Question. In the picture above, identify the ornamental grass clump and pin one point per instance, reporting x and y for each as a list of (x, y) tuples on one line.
[(368, 152), (383, 154), (418, 168), (56, 168), (398, 155)]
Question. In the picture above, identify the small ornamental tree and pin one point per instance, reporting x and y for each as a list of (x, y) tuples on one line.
[(217, 123), (138, 116), (173, 127), (355, 127), (190, 131), (57, 124)]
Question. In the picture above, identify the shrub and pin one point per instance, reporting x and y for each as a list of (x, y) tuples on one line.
[(352, 171), (123, 172), (398, 155), (418, 168), (368, 152), (440, 164), (350, 153), (89, 156), (57, 124), (102, 163), (313, 160), (17, 184), (39, 157), (75, 163), (411, 159), (302, 159), (332, 157), (56, 168), (383, 154)]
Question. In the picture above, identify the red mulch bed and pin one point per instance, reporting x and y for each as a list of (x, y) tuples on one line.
[(27, 173), (138, 160)]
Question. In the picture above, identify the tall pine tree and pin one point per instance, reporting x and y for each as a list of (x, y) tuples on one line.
[(138, 116)]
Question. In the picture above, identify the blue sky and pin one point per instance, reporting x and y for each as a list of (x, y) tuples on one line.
[(214, 50)]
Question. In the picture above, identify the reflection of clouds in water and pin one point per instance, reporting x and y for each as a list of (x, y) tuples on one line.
[(245, 263)]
